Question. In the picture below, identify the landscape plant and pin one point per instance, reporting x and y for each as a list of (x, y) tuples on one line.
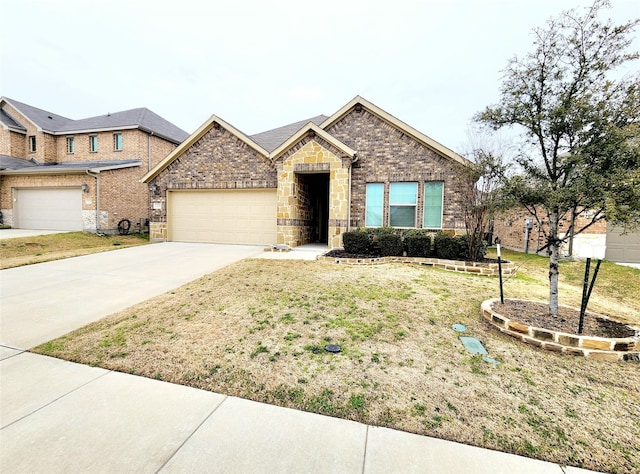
[(579, 118)]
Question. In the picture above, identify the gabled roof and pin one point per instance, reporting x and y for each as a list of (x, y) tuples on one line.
[(8, 122), (390, 119), (17, 166), (141, 118), (273, 143), (306, 129), (213, 121), (271, 139)]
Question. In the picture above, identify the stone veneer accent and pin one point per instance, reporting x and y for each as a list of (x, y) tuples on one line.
[(601, 348), (311, 155), (476, 268)]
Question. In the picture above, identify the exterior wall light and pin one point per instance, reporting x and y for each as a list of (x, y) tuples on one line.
[(85, 188)]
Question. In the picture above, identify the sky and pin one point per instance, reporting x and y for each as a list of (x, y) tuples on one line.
[(261, 64)]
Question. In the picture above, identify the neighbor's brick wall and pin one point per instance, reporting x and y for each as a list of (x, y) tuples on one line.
[(385, 155), (510, 227), (44, 141), (12, 143), (218, 160)]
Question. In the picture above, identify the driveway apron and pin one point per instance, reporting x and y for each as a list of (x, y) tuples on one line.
[(44, 301)]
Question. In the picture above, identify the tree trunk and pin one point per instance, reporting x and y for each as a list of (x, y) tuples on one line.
[(554, 258)]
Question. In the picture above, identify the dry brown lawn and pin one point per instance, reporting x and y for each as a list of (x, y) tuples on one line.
[(257, 330), (44, 248)]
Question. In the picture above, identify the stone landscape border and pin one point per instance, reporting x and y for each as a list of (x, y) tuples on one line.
[(475, 268), (600, 348)]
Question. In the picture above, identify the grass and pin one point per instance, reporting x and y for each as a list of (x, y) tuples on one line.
[(257, 330), (44, 248)]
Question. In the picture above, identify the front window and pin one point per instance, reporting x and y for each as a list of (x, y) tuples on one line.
[(117, 141), (403, 198), (71, 145), (93, 143), (375, 196), (433, 205), (32, 144)]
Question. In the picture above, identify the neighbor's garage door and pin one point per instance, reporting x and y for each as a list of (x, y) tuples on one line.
[(229, 216), (48, 208), (623, 248)]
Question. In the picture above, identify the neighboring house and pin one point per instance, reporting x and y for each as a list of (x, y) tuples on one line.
[(63, 174), (306, 182), (511, 228)]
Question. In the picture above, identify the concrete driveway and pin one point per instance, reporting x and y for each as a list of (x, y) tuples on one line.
[(45, 301)]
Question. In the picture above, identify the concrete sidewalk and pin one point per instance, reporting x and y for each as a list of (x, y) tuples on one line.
[(61, 417)]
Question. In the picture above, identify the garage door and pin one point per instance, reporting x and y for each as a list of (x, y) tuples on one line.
[(229, 216), (622, 248), (48, 208)]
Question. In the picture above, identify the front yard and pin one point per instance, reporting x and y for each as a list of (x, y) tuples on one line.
[(45, 248), (257, 330)]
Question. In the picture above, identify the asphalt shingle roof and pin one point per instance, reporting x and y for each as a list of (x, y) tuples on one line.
[(140, 117), (11, 163), (271, 139), (8, 163), (9, 121)]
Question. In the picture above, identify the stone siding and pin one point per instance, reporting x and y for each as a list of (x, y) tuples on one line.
[(386, 155), (309, 156)]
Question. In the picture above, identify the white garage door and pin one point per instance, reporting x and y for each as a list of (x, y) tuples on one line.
[(622, 248), (225, 216), (48, 208)]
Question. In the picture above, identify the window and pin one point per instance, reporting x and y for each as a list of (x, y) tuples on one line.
[(32, 143), (71, 145), (373, 211), (433, 205), (93, 143), (117, 141), (402, 204)]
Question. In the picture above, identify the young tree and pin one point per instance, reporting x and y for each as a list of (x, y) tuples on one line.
[(482, 195), (580, 123)]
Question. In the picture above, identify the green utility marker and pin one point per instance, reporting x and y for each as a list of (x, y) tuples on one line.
[(459, 327), (490, 360), (473, 345)]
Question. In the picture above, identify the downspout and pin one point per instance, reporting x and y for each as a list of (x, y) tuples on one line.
[(97, 177)]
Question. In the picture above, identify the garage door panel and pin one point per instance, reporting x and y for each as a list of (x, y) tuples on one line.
[(49, 208), (622, 248), (223, 216)]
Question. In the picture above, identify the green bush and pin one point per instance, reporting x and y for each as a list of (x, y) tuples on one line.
[(357, 242), (450, 248), (390, 245), (417, 243)]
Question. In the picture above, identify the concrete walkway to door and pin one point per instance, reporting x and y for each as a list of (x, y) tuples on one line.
[(45, 301)]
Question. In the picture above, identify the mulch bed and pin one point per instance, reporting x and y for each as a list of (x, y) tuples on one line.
[(537, 314), (339, 253)]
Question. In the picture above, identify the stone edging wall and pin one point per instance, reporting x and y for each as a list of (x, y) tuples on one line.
[(476, 268), (601, 348)]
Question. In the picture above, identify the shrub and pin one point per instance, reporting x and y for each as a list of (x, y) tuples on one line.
[(418, 243), (357, 242), (450, 248), (390, 245)]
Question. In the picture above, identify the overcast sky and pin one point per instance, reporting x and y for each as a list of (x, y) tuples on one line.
[(260, 64)]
